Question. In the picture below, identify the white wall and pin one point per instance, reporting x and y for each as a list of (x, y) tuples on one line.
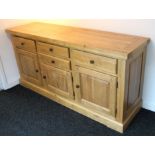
[(135, 27), (9, 75), (1, 75)]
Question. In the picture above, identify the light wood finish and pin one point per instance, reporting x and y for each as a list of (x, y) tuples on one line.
[(122, 72), (135, 69), (131, 115), (95, 90), (28, 65), (98, 74), (101, 63), (144, 50), (25, 44), (134, 81), (53, 50), (55, 62), (57, 80), (100, 42)]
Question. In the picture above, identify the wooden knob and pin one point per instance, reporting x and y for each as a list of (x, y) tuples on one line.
[(52, 61), (92, 61), (51, 49), (37, 70), (22, 43), (77, 86), (44, 77)]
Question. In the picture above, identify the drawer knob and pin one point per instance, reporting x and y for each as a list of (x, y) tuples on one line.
[(92, 61), (52, 61), (51, 49), (77, 86), (44, 77), (22, 44), (37, 70)]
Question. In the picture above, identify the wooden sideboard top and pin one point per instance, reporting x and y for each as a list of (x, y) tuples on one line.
[(83, 38)]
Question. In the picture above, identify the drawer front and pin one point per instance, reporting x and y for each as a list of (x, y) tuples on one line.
[(53, 50), (55, 62), (94, 61), (25, 44)]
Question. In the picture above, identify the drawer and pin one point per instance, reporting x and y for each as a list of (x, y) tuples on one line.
[(25, 44), (53, 50), (55, 62), (94, 61)]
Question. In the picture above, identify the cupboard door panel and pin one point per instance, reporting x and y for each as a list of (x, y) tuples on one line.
[(89, 86), (57, 80), (95, 90), (28, 66), (135, 69)]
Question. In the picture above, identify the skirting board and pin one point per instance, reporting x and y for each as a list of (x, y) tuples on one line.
[(149, 106), (4, 84), (10, 85)]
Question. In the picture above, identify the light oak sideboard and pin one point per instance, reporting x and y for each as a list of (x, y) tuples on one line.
[(96, 73)]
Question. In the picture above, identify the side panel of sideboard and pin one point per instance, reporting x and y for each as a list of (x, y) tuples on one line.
[(130, 79)]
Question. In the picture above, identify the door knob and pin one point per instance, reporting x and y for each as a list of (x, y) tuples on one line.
[(22, 43), (44, 77), (51, 49), (92, 61), (52, 61), (77, 86)]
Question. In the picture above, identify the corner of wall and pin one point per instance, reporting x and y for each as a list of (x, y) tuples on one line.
[(149, 106), (4, 84)]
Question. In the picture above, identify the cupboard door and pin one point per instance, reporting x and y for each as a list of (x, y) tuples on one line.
[(28, 66), (57, 81), (95, 90)]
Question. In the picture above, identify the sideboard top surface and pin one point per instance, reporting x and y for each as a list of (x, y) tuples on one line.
[(80, 37)]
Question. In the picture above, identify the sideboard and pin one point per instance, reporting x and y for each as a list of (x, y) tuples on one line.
[(96, 73)]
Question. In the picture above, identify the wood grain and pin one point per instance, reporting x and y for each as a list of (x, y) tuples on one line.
[(134, 80), (53, 50), (95, 90), (71, 36), (101, 63), (57, 80), (25, 44), (28, 66), (55, 62)]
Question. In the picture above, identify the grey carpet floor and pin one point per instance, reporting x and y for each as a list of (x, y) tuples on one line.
[(25, 113)]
